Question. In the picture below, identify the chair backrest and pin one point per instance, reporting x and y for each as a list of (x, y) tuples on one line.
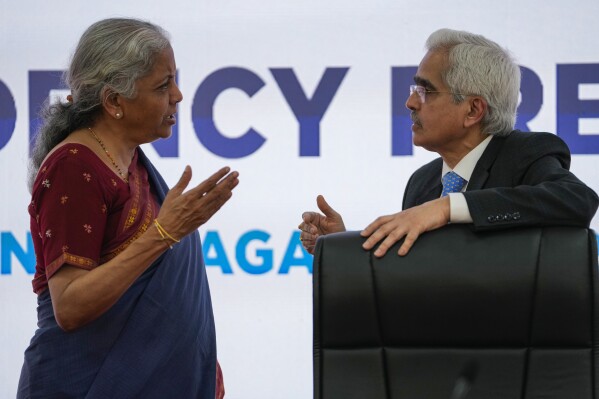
[(508, 314)]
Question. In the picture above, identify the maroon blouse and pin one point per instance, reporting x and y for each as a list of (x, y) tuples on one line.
[(83, 214)]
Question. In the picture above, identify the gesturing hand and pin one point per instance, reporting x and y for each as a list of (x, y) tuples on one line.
[(183, 212), (315, 224), (409, 224)]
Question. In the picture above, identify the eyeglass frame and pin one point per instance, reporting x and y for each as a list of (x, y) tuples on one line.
[(422, 91)]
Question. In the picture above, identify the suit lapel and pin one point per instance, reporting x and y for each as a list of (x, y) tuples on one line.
[(433, 193), (480, 174), (431, 187)]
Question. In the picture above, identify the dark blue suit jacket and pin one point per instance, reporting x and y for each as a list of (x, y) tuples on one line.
[(522, 179)]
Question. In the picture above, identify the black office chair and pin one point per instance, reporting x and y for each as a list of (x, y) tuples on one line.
[(510, 314)]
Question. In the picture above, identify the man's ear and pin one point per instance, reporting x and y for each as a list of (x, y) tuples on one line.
[(477, 110), (111, 103)]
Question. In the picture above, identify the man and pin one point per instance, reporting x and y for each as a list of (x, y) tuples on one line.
[(463, 107)]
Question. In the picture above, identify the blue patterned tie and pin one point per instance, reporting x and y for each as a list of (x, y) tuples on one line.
[(452, 183)]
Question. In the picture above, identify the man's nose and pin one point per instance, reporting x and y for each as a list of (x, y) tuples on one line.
[(413, 102)]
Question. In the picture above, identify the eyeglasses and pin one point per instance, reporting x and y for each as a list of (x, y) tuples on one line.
[(423, 91)]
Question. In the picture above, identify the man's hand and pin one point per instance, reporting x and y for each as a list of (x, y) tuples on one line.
[(315, 224), (409, 224)]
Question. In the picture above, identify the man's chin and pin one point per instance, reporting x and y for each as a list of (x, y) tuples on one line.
[(417, 138)]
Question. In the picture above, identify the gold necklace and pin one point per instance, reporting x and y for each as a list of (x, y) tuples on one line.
[(119, 171)]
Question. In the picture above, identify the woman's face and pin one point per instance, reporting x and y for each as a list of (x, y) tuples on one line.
[(151, 114)]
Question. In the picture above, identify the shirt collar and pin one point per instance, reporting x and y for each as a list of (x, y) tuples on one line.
[(465, 167)]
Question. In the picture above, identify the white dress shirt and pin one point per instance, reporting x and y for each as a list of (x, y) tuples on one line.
[(458, 207)]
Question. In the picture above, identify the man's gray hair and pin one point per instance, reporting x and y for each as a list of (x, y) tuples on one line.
[(479, 66)]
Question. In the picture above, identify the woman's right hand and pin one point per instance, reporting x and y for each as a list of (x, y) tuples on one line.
[(80, 296), (183, 212)]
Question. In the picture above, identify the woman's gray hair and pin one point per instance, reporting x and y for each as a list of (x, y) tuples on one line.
[(479, 66), (111, 56)]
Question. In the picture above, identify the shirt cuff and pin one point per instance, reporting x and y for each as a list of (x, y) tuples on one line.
[(458, 209)]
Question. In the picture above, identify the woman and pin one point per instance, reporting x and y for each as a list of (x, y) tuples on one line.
[(124, 305)]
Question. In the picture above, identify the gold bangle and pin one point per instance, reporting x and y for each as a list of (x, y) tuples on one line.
[(164, 238), (164, 234)]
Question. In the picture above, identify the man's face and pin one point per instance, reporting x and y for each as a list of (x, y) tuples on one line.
[(438, 122)]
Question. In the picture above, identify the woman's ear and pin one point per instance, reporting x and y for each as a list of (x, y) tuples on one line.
[(478, 109), (111, 103)]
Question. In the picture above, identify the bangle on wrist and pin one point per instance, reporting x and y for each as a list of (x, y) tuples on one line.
[(166, 237)]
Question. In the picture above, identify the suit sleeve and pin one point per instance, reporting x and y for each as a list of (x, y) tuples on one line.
[(540, 191)]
